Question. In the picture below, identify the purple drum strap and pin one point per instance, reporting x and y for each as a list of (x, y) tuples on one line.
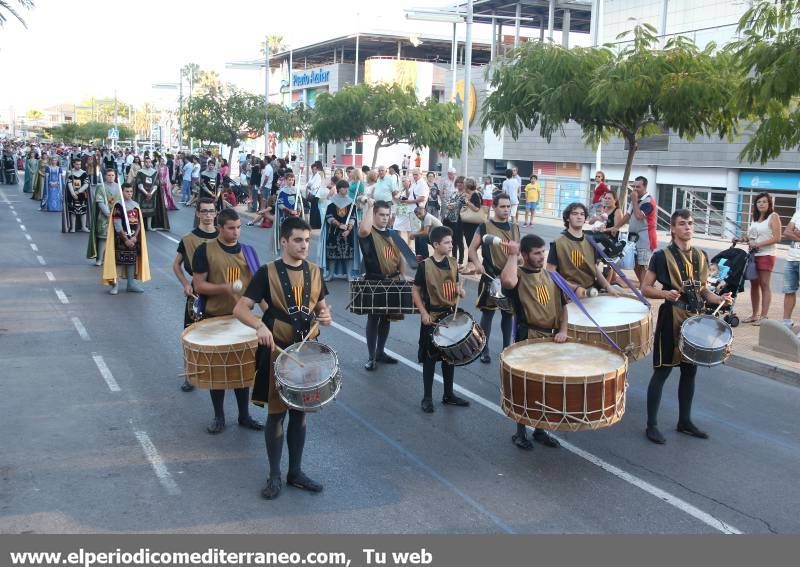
[(251, 257), (562, 283), (613, 266)]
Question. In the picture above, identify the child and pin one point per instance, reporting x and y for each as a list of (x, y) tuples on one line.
[(126, 245), (531, 200)]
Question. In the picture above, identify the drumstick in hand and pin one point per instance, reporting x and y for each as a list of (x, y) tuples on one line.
[(310, 332), (291, 356)]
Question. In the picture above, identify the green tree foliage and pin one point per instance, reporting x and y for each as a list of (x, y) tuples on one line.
[(631, 93), (88, 132), (768, 52), (13, 8), (391, 113), (225, 116), (34, 114)]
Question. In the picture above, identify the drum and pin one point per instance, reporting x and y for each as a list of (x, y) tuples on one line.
[(628, 321), (381, 297), (311, 386), (219, 353), (496, 295), (563, 386), (705, 340), (459, 338)]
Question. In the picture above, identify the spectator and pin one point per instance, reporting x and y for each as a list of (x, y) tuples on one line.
[(532, 194), (762, 236), (420, 237), (511, 188), (452, 202), (473, 202), (791, 273), (434, 204), (601, 188), (641, 216), (405, 164), (418, 160)]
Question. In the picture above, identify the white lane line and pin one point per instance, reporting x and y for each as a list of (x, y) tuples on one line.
[(168, 237), (150, 451), (631, 479), (41, 260), (62, 296), (34, 247), (21, 226), (50, 276), (105, 372), (80, 328), (28, 236)]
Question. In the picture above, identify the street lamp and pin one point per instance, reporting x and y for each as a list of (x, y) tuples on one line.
[(179, 87)]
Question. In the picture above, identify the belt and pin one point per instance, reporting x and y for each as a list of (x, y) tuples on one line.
[(680, 304)]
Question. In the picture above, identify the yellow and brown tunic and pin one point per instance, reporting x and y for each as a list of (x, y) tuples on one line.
[(381, 255), (438, 284), (222, 264), (574, 259), (494, 258), (538, 304), (186, 248)]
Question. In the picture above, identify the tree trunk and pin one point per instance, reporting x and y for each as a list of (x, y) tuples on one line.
[(623, 190), (230, 154), (378, 145)]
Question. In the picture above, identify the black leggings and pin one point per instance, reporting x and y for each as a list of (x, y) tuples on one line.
[(468, 229), (242, 400), (505, 326), (685, 392), (448, 371), (458, 239), (377, 333), (295, 440)]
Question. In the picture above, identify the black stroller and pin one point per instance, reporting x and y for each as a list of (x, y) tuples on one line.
[(726, 274), (9, 170)]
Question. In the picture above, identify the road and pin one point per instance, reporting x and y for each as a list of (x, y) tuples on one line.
[(97, 437)]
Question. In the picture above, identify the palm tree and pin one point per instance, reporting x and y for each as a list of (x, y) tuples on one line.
[(6, 7), (276, 44)]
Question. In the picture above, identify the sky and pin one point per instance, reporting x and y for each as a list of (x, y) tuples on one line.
[(73, 50)]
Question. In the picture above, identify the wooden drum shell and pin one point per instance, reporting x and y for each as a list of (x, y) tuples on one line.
[(635, 338), (219, 366)]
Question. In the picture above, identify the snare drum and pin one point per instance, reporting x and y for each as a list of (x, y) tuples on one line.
[(311, 386), (705, 340), (219, 353), (628, 321), (459, 338), (496, 295), (381, 297), (542, 385)]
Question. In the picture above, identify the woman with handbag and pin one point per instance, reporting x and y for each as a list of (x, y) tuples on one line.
[(472, 215), (451, 217)]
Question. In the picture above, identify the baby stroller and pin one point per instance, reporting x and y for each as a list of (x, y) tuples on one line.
[(9, 170), (726, 274)]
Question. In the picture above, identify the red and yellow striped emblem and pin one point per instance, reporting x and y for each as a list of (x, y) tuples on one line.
[(542, 294), (232, 274), (388, 252), (297, 291), (450, 289), (576, 257)]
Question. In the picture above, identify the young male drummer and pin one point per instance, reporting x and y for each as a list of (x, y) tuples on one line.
[(435, 293), (206, 230), (221, 272), (294, 294), (382, 260), (574, 257), (682, 272), (539, 307), (494, 258)]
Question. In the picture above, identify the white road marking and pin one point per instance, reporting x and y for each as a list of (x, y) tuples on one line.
[(21, 226), (34, 247), (150, 451), (62, 296), (168, 237), (50, 276), (631, 479), (80, 328), (41, 260), (105, 372), (28, 236)]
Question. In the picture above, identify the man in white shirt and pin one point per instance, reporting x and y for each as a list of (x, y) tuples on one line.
[(511, 188), (448, 185), (385, 186), (427, 223), (419, 189), (791, 273), (267, 177)]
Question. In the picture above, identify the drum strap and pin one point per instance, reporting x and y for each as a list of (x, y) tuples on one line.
[(613, 266), (299, 316), (691, 296)]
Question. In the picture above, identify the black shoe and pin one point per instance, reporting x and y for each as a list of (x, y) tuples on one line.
[(522, 442), (369, 365), (273, 488), (216, 426), (251, 423), (541, 436), (655, 435), (186, 387), (383, 357), (301, 481), (427, 405), (485, 358), (691, 429), (453, 400)]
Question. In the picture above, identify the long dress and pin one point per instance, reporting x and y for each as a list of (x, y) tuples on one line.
[(338, 249), (39, 180), (31, 166), (53, 190), (154, 207), (166, 187)]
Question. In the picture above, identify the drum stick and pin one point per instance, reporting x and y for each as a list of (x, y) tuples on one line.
[(192, 373), (291, 356), (310, 332)]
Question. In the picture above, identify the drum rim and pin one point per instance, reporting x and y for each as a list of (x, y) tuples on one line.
[(336, 377), (560, 378), (336, 367), (646, 316), (706, 317), (462, 339), (246, 343)]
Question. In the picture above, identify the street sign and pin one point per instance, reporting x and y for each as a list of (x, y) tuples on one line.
[(113, 134)]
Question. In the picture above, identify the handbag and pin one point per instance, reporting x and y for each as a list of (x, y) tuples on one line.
[(750, 271), (473, 217)]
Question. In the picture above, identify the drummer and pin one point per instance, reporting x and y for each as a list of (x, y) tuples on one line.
[(221, 271), (494, 258), (435, 294), (574, 257), (382, 261), (206, 230), (539, 308), (277, 286), (682, 272)]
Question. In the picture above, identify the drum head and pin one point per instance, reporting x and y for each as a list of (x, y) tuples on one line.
[(571, 360), (706, 331), (218, 331), (452, 329), (608, 311), (319, 364)]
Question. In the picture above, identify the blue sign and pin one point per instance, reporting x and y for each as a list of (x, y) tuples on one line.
[(309, 78), (770, 180)]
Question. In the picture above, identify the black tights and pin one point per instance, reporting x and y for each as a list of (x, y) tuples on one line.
[(685, 393), (448, 371), (377, 333), (242, 400), (295, 440), (505, 326)]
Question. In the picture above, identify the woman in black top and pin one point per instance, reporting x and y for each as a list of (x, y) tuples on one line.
[(473, 201)]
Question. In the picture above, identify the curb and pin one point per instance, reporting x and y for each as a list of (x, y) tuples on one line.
[(764, 369)]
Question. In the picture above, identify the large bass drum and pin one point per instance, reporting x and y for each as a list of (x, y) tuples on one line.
[(219, 353), (563, 386), (628, 321), (705, 340), (312, 385)]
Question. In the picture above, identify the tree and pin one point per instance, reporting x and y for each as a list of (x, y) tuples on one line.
[(275, 43), (768, 53), (391, 113), (6, 8), (33, 114), (85, 133), (632, 93), (225, 116)]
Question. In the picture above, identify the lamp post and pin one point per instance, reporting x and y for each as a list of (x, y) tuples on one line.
[(179, 87)]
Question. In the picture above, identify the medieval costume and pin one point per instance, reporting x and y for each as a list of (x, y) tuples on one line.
[(121, 260), (154, 209), (53, 198), (76, 200), (103, 199), (31, 166), (39, 180), (166, 186), (338, 247)]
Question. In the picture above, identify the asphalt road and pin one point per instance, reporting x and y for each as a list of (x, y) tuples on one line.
[(97, 437)]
